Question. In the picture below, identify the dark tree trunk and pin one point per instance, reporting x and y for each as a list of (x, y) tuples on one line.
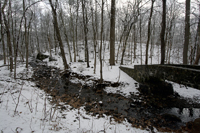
[(101, 72), (85, 21), (162, 34), (187, 32), (112, 34), (2, 35), (58, 35), (9, 44), (149, 31)]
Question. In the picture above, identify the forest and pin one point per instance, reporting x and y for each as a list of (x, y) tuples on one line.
[(29, 27), (61, 60)]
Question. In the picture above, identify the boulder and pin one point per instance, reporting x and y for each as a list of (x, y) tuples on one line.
[(41, 56), (171, 118), (52, 58)]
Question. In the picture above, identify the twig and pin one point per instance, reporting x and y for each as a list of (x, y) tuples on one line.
[(119, 76), (18, 99), (45, 108), (54, 112)]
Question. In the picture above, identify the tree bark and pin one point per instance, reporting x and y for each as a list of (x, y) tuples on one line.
[(125, 44), (85, 21), (9, 44), (149, 32), (2, 35), (101, 72), (187, 32), (162, 34), (58, 35), (112, 33), (72, 31), (198, 40), (66, 37), (95, 34)]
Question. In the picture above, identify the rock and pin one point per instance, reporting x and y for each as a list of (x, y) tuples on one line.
[(196, 126), (41, 56), (33, 64), (88, 107), (171, 118), (116, 84), (52, 58), (80, 61)]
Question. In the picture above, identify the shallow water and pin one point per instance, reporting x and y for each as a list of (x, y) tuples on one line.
[(185, 114), (139, 110)]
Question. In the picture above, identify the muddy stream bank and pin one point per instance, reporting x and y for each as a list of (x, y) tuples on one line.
[(172, 113)]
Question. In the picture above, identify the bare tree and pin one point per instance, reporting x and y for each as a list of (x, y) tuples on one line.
[(8, 33), (162, 34), (102, 12), (112, 33), (95, 31), (198, 40), (72, 31), (85, 23), (2, 34), (149, 31), (187, 31), (58, 33), (65, 33)]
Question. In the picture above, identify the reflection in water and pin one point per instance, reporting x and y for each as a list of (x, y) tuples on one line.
[(191, 112), (180, 111), (185, 114)]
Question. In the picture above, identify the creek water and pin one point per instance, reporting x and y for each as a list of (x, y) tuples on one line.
[(141, 111)]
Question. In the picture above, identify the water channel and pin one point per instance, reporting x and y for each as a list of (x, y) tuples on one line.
[(146, 111)]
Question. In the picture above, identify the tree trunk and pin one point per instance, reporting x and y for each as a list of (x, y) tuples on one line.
[(162, 34), (77, 14), (58, 35), (66, 36), (101, 72), (140, 39), (125, 44), (187, 32), (95, 35), (149, 32), (85, 21), (14, 31), (25, 35), (198, 40), (135, 42), (112, 33), (72, 31), (2, 35), (7, 27)]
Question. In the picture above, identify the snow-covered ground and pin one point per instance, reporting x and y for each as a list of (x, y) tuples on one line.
[(25, 108)]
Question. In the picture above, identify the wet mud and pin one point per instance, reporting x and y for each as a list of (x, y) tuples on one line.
[(171, 113)]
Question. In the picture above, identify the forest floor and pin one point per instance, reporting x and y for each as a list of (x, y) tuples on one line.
[(47, 99)]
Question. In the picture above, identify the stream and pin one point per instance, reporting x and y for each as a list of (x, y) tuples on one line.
[(142, 111)]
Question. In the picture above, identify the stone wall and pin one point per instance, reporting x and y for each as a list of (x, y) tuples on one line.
[(184, 74)]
